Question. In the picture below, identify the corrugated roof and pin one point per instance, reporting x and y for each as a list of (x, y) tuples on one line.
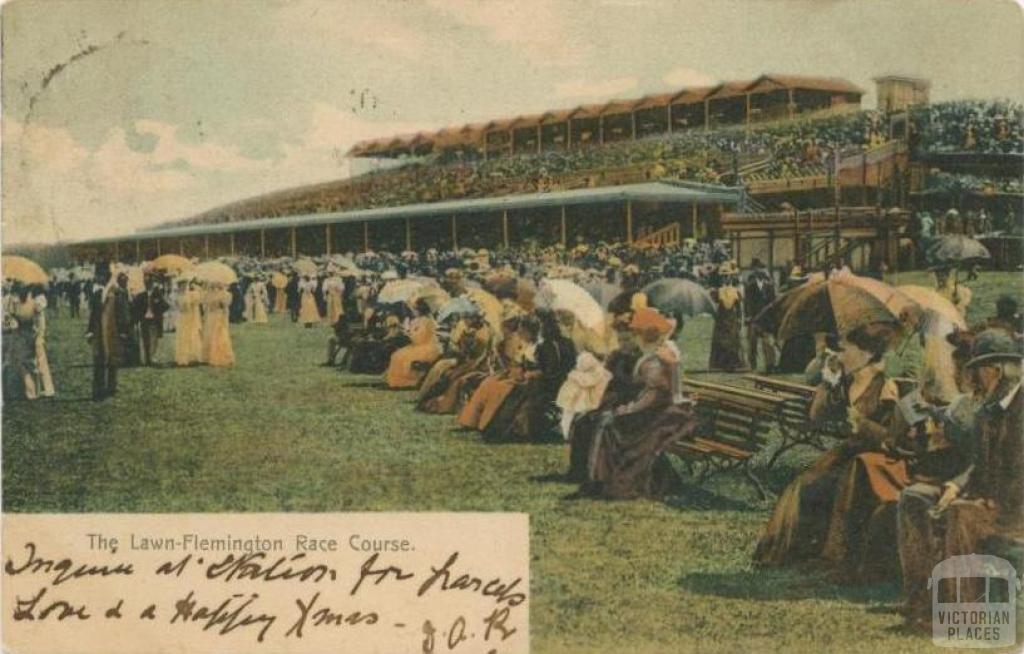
[(619, 107), (589, 110), (727, 90), (661, 191)]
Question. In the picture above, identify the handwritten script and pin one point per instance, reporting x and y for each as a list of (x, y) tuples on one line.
[(394, 582)]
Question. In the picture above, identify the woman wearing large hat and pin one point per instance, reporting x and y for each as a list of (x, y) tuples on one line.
[(626, 458)]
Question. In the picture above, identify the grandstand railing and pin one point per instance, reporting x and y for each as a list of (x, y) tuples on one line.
[(667, 236)]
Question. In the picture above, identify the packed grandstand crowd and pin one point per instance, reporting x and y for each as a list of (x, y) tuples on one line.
[(733, 155)]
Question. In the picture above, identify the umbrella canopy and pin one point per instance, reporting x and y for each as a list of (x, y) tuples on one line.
[(278, 280), (435, 296), (489, 305), (214, 271), (460, 305), (170, 263), (678, 297), (956, 248), (602, 290), (399, 290), (23, 270), (564, 295), (305, 267), (836, 305), (933, 302)]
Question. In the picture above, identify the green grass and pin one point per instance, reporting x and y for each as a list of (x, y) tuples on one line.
[(278, 433)]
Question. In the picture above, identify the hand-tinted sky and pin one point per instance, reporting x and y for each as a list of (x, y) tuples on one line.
[(119, 114)]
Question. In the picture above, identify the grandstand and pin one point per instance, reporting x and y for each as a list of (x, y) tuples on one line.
[(738, 147)]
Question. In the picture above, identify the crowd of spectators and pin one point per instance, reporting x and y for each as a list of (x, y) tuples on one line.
[(989, 127), (730, 155)]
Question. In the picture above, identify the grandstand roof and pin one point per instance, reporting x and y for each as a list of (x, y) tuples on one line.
[(729, 89), (661, 191), (830, 84)]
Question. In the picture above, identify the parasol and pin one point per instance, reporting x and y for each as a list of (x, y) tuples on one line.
[(461, 305), (564, 295), (399, 290), (836, 305), (956, 248), (678, 297), (305, 267), (435, 296), (170, 263), (214, 271), (278, 280), (489, 305), (23, 270), (933, 302)]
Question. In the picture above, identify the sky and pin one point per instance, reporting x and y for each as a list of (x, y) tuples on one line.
[(121, 114)]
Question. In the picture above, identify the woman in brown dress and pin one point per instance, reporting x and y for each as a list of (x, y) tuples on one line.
[(856, 389), (490, 395), (443, 387), (627, 454), (726, 345)]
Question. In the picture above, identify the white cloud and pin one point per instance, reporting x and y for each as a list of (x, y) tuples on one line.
[(603, 90), (542, 30), (358, 23), (683, 77)]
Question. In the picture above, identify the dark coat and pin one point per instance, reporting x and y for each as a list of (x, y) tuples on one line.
[(109, 325)]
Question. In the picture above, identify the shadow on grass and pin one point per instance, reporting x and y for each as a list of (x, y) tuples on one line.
[(784, 585), (688, 496)]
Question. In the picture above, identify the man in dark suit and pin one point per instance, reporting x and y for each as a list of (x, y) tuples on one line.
[(148, 308), (292, 292), (109, 322), (758, 292), (74, 290)]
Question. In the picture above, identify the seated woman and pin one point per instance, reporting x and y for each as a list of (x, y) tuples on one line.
[(854, 387), (410, 363), (627, 454), (470, 345), (620, 388), (369, 354), (517, 355), (529, 413)]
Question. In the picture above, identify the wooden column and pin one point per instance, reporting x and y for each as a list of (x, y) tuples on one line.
[(791, 107), (231, 243), (632, 121), (600, 130), (455, 234), (738, 240), (748, 110), (563, 225), (295, 250), (206, 246), (771, 250), (158, 247), (366, 236), (327, 237), (504, 227), (568, 134), (408, 234), (668, 112), (263, 243), (693, 219), (629, 221)]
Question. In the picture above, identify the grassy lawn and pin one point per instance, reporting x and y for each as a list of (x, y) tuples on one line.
[(279, 433)]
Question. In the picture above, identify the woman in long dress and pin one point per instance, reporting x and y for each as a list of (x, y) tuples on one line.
[(188, 337), (256, 302), (443, 390), (20, 311), (517, 351), (854, 389), (726, 345), (45, 385), (627, 455), (308, 313), (217, 350), (409, 364), (334, 288)]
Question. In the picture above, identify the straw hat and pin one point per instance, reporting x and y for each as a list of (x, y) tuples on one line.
[(994, 346)]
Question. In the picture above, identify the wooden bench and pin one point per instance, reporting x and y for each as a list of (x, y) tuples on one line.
[(794, 421), (737, 421)]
